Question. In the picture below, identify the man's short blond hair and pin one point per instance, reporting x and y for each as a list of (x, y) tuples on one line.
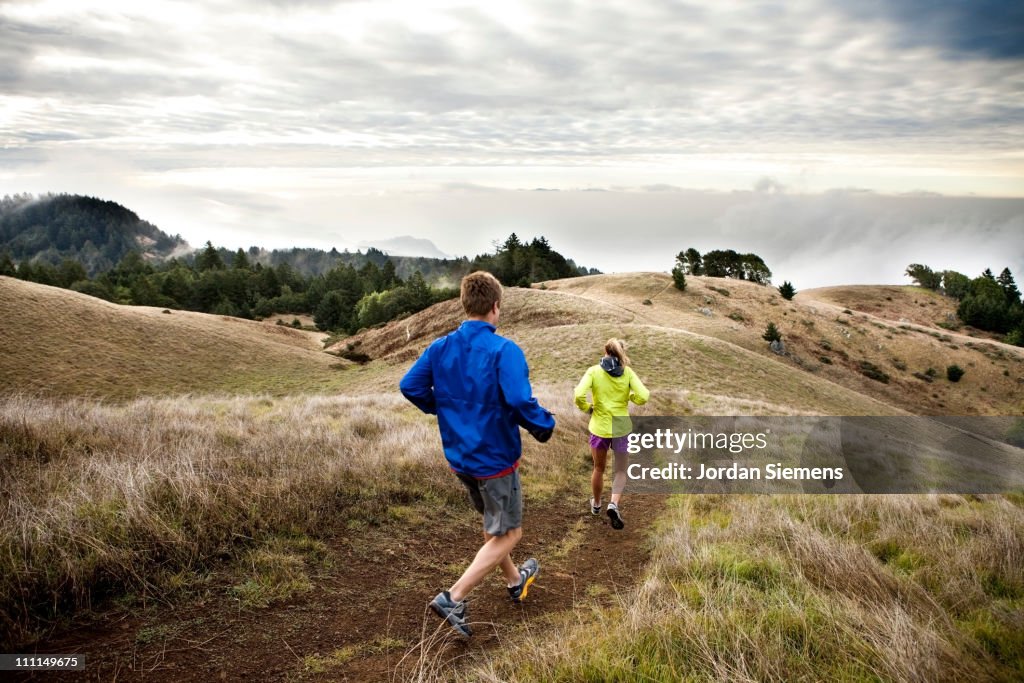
[(479, 292)]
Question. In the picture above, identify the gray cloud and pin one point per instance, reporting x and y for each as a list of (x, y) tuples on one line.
[(584, 81), (992, 28), (354, 123)]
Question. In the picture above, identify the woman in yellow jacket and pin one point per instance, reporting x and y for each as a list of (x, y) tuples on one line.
[(613, 384)]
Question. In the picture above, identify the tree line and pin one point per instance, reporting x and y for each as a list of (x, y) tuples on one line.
[(344, 298), (724, 263), (720, 263), (986, 302)]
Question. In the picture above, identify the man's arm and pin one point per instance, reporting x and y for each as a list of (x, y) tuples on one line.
[(514, 380), (418, 384)]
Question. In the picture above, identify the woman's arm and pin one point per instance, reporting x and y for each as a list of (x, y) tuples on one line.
[(638, 393), (580, 393)]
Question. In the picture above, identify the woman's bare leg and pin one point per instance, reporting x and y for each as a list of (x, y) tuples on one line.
[(619, 476), (600, 456)]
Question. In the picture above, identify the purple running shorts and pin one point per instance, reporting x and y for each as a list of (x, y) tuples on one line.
[(617, 444)]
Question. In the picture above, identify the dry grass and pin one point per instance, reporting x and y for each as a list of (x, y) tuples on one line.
[(701, 368), (64, 343), (104, 499), (61, 343), (783, 588), (898, 303), (143, 497), (522, 309), (108, 499), (816, 329)]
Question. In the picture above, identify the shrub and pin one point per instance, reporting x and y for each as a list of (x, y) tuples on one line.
[(872, 371), (954, 373), (786, 290), (771, 333), (679, 278)]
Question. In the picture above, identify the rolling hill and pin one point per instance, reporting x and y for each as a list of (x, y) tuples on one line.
[(705, 341), (708, 340), (61, 343), (188, 478)]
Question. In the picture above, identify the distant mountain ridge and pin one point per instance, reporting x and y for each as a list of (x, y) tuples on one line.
[(95, 232)]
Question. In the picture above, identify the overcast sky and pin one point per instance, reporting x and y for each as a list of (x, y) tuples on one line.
[(840, 139)]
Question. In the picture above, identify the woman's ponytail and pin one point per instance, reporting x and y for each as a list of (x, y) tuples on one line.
[(616, 347)]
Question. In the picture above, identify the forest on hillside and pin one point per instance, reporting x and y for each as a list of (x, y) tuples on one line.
[(987, 302), (344, 291), (94, 232)]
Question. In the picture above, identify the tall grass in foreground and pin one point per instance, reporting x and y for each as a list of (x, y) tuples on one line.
[(103, 500), (842, 588)]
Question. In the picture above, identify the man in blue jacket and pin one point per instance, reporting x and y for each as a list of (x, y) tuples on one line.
[(478, 385)]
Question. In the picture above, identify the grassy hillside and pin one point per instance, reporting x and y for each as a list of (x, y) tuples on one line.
[(706, 341), (808, 588), (62, 343), (901, 303), (823, 341), (150, 498)]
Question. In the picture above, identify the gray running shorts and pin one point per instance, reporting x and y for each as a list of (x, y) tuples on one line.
[(499, 500)]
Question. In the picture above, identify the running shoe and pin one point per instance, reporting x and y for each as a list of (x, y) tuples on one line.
[(615, 516), (452, 612), (528, 572)]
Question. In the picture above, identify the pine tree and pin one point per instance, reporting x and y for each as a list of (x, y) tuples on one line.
[(679, 272), (924, 276), (334, 313), (241, 261), (771, 333), (1005, 281), (956, 285), (694, 262), (209, 259), (389, 276), (786, 290), (6, 264)]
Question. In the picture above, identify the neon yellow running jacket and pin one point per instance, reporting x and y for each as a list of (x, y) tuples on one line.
[(611, 399)]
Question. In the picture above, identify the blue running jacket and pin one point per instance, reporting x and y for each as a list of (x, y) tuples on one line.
[(478, 384)]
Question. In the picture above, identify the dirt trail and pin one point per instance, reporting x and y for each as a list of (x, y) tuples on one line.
[(366, 614)]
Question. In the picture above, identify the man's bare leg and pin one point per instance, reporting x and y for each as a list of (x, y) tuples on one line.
[(507, 566), (494, 552)]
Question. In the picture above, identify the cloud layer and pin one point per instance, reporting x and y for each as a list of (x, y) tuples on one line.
[(247, 121)]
